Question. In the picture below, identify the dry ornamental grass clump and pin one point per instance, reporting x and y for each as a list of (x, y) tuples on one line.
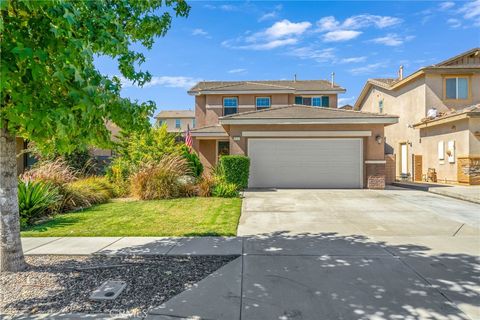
[(162, 179)]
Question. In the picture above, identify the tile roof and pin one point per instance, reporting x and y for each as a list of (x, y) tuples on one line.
[(176, 114), (305, 112), (217, 128), (470, 110), (301, 85)]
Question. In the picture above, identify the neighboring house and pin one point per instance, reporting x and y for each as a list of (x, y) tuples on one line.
[(439, 119), (293, 132), (104, 156), (176, 120), (346, 107)]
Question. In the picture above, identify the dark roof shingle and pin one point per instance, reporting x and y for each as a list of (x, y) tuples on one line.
[(301, 85)]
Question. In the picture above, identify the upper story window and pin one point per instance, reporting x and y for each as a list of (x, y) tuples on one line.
[(456, 88), (178, 124), (161, 122), (193, 123), (322, 101), (380, 106), (262, 102), (230, 105)]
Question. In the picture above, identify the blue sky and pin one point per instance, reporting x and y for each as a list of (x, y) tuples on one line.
[(269, 40)]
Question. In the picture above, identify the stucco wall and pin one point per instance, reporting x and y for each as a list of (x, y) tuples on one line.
[(170, 122), (208, 108), (457, 131), (435, 93), (408, 103), (474, 141), (207, 153)]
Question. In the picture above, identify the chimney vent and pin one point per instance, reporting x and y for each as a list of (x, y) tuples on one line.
[(400, 73), (295, 77), (333, 79)]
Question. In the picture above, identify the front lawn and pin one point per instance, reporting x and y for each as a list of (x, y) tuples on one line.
[(177, 217)]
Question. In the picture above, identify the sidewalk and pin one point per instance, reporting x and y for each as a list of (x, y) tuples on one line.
[(467, 193), (281, 276), (133, 246)]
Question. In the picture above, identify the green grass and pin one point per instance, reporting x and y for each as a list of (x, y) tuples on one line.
[(177, 217)]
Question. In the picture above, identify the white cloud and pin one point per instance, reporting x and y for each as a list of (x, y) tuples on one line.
[(199, 32), (271, 15), (286, 28), (281, 33), (392, 40), (353, 59), (239, 70), (357, 22), (446, 5), (471, 11), (370, 68), (321, 55), (454, 23), (340, 35), (164, 81)]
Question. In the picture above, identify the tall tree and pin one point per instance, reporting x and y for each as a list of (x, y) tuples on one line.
[(51, 92)]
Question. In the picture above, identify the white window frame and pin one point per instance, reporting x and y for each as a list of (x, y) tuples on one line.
[(456, 87), (263, 107), (228, 107), (178, 123)]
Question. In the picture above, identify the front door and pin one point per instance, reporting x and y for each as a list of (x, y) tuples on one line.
[(404, 159)]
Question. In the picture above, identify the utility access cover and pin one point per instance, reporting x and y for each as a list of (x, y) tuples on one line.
[(109, 290)]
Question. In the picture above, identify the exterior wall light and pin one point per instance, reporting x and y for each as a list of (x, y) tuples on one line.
[(379, 139)]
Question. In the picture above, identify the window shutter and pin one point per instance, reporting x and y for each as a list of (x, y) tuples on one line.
[(298, 100), (325, 101)]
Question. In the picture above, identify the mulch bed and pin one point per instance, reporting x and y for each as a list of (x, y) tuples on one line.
[(64, 283)]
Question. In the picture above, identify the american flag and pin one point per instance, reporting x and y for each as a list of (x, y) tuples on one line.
[(188, 137)]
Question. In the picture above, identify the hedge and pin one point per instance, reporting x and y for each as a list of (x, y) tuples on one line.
[(236, 170)]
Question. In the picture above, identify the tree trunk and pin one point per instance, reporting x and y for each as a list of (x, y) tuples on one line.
[(11, 253)]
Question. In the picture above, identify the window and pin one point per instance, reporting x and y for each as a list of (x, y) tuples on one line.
[(223, 148), (456, 88), (298, 100), (317, 101), (230, 105), (193, 123), (262, 103), (380, 106), (177, 124), (161, 122), (325, 101), (307, 101)]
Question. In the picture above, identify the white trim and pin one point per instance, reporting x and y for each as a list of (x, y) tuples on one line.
[(360, 141), (375, 161), (307, 133), (309, 121), (209, 134)]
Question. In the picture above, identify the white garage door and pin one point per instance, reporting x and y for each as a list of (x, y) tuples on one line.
[(305, 163)]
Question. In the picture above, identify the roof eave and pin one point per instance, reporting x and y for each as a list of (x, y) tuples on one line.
[(253, 121), (268, 91), (447, 119)]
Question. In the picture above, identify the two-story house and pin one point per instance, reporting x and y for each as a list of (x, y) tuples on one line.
[(293, 132), (176, 121), (438, 132)]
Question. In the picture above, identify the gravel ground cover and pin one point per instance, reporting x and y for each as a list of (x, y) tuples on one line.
[(64, 283)]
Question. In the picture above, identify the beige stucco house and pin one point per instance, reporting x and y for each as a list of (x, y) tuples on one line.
[(293, 132), (439, 119), (177, 121)]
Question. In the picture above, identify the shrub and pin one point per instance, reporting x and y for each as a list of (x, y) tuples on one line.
[(35, 199), (196, 167), (84, 193), (160, 180), (235, 170), (205, 186), (56, 172), (225, 190), (118, 174)]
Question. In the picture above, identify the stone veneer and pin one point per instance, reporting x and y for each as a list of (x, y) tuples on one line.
[(375, 175)]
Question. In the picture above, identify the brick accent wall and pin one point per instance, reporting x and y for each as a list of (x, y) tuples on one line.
[(375, 176), (390, 170)]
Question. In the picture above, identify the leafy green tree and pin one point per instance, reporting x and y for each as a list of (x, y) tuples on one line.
[(51, 92)]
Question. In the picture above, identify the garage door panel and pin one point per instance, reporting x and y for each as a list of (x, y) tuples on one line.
[(305, 163)]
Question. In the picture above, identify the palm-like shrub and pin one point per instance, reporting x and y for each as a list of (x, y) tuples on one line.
[(35, 199), (225, 190), (161, 180)]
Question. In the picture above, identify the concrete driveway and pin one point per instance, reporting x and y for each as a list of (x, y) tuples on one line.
[(372, 213)]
